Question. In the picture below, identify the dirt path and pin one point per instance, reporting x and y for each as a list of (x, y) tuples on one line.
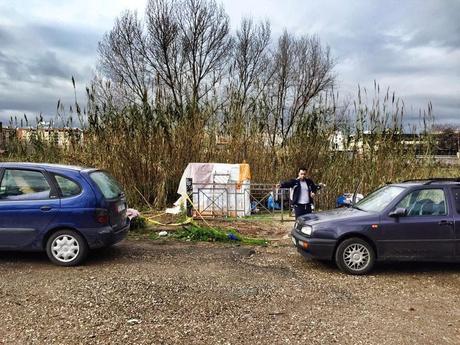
[(142, 292)]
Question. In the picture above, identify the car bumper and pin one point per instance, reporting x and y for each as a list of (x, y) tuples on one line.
[(316, 248), (106, 236)]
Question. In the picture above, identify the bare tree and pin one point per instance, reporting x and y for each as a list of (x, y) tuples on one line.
[(206, 44), (250, 59), (162, 48), (303, 71), (280, 85), (187, 57), (187, 45), (120, 59)]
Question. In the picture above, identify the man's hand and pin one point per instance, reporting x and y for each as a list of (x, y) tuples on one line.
[(312, 194), (278, 185)]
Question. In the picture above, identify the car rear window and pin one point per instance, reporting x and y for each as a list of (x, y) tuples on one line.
[(107, 184)]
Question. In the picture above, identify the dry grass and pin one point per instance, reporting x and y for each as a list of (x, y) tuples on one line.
[(148, 156)]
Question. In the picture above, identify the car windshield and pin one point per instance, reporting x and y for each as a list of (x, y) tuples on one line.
[(379, 199)]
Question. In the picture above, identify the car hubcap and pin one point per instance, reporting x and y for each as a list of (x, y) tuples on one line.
[(356, 257), (65, 248)]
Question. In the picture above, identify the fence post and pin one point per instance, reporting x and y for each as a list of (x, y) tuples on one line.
[(189, 189), (282, 203), (1, 136)]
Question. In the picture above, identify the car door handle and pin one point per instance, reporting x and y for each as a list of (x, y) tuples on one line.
[(445, 222), (45, 208)]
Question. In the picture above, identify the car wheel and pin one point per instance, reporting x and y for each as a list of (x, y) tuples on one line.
[(355, 256), (66, 248)]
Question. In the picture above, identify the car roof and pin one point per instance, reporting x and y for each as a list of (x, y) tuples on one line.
[(428, 182), (42, 166)]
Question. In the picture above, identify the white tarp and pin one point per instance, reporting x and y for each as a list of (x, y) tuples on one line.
[(217, 188)]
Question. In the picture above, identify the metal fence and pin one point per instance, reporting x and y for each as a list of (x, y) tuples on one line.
[(238, 200)]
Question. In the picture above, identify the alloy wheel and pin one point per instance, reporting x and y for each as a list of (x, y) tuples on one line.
[(356, 257)]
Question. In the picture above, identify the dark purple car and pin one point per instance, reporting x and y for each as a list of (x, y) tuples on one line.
[(412, 220)]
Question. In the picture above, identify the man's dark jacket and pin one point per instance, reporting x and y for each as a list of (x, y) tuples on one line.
[(295, 185)]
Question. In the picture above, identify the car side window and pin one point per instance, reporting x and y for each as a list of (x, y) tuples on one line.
[(24, 185), (425, 202), (456, 193), (67, 186)]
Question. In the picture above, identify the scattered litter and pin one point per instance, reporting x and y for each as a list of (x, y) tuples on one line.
[(187, 221), (173, 210), (132, 322), (272, 204), (131, 213), (232, 237), (346, 199), (163, 233), (275, 313)]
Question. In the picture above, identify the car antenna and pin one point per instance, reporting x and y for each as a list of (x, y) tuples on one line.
[(353, 200)]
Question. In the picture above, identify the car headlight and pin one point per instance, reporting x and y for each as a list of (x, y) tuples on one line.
[(306, 230)]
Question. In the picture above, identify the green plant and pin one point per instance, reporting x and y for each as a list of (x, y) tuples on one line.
[(195, 232), (138, 223)]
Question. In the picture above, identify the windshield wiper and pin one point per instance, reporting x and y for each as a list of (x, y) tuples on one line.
[(358, 208)]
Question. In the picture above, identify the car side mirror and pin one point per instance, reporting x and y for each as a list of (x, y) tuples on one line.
[(399, 212)]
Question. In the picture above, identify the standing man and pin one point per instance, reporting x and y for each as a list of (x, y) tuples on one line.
[(303, 191)]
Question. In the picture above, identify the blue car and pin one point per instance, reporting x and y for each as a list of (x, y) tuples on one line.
[(408, 221), (63, 210)]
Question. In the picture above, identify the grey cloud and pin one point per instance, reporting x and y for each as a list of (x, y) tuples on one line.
[(12, 69), (34, 102), (31, 100), (444, 107), (6, 38), (77, 40), (44, 66), (411, 22), (35, 85), (36, 35), (48, 64), (37, 61), (407, 24), (374, 55), (34, 51), (436, 23)]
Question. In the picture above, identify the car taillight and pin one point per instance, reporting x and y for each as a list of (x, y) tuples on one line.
[(102, 216)]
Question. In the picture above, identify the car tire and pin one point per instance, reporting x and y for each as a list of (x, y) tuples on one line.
[(66, 248), (355, 256)]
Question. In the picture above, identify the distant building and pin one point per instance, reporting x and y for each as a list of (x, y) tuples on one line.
[(6, 134), (61, 137), (340, 142)]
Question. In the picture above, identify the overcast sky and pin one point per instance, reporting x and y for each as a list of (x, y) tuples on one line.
[(412, 46)]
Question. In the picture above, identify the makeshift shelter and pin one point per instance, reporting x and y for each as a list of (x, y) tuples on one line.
[(218, 189)]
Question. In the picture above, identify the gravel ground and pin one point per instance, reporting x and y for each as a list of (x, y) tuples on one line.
[(144, 292)]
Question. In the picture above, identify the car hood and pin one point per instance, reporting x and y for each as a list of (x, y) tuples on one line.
[(332, 215)]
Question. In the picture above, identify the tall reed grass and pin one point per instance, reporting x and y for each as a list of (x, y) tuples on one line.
[(148, 155)]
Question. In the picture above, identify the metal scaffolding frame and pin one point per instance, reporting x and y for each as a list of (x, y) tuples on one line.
[(224, 199)]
